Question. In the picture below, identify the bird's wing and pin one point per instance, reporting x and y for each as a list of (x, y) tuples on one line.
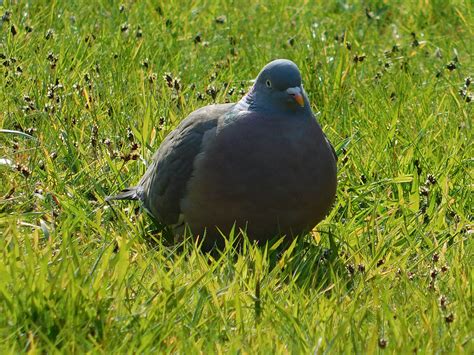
[(331, 146), (164, 183)]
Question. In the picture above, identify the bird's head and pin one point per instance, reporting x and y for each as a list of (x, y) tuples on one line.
[(278, 87)]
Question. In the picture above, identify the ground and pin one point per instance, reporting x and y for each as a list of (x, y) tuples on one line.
[(90, 88)]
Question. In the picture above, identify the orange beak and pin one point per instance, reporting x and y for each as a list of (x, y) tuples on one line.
[(299, 99), (296, 94)]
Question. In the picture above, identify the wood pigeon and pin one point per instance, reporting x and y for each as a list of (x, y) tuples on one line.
[(262, 165)]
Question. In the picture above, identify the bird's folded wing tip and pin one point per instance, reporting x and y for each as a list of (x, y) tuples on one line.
[(130, 193)]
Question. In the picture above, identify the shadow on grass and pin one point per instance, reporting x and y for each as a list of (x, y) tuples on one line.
[(299, 260)]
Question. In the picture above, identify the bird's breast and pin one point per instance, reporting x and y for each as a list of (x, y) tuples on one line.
[(266, 175)]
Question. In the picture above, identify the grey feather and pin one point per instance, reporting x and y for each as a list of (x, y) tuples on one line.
[(332, 148), (130, 193)]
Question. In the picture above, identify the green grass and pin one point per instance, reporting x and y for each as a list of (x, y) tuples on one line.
[(390, 269)]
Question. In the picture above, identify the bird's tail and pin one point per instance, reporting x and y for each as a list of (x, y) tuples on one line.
[(130, 193)]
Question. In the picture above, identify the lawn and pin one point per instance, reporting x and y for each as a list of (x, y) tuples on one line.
[(89, 89)]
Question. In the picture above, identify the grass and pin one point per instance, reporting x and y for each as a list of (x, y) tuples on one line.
[(390, 269)]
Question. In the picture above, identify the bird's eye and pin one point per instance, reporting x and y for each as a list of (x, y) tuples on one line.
[(268, 83)]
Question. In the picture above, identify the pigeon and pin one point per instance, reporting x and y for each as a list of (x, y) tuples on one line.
[(262, 166)]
